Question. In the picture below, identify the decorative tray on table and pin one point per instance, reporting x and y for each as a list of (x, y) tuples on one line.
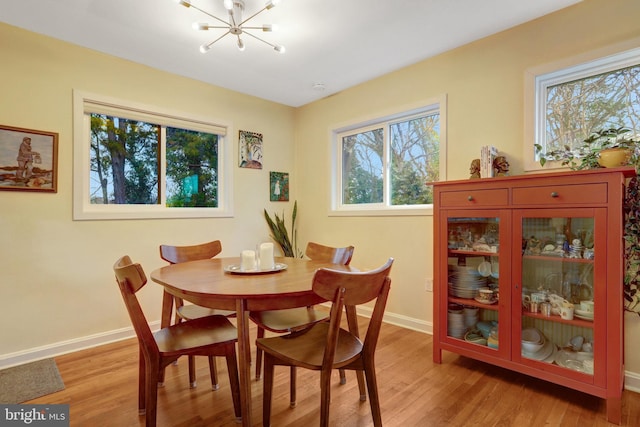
[(236, 269)]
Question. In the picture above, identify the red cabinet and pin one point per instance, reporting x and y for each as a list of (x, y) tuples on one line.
[(528, 276)]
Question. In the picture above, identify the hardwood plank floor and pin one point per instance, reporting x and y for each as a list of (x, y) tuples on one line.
[(101, 389)]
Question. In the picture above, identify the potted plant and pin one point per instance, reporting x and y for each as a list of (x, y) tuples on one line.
[(280, 234), (590, 157), (600, 146)]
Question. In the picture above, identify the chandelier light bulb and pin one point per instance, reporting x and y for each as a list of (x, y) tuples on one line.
[(205, 48), (271, 3), (185, 3), (240, 44), (200, 26), (228, 4), (279, 48)]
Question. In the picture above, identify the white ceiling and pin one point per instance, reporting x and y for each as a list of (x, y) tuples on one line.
[(339, 43)]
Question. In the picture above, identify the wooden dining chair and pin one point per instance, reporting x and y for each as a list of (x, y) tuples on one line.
[(177, 254), (325, 346), (296, 319), (206, 336)]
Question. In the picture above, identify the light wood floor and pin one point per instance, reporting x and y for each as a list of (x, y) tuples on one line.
[(101, 388)]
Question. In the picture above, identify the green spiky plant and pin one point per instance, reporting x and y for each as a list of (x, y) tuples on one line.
[(280, 234)]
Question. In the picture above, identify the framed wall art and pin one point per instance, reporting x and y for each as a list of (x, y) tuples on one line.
[(279, 186), (250, 150), (28, 160)]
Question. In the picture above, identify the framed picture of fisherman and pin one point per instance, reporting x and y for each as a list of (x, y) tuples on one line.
[(28, 160)]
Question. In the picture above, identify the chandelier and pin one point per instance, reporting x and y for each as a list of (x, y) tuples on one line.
[(235, 25)]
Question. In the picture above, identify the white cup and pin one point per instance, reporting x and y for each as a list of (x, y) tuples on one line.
[(566, 312), (485, 294), (538, 297), (586, 306)]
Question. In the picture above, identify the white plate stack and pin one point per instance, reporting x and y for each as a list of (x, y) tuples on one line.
[(464, 282), (470, 317), (455, 322)]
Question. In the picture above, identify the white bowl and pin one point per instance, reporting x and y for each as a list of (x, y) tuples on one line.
[(532, 336), (531, 348)]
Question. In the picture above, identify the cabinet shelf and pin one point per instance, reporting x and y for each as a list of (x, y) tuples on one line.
[(473, 303), (459, 252), (558, 319), (557, 259)]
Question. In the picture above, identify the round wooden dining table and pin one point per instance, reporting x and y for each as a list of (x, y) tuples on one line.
[(218, 283)]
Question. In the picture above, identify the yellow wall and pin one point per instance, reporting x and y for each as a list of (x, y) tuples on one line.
[(483, 82), (55, 274)]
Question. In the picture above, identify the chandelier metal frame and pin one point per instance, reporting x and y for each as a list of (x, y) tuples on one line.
[(235, 24)]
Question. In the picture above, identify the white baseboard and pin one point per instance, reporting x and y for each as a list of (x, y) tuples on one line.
[(65, 347), (631, 379), (402, 321)]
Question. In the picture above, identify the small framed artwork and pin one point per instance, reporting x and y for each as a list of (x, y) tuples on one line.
[(279, 186), (28, 160), (250, 150)]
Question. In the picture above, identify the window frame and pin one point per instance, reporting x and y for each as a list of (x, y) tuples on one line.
[(83, 103), (538, 79), (384, 119)]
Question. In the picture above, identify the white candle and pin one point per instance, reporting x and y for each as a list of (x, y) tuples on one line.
[(248, 260), (266, 256)]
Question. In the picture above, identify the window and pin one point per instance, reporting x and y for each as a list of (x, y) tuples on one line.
[(383, 165), (572, 102), (136, 161)]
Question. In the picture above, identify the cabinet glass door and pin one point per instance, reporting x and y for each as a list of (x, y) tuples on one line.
[(473, 280), (557, 292)]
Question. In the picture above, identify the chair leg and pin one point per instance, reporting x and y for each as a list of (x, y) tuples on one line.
[(374, 400), (153, 372), (178, 303), (361, 386), (160, 378), (343, 377), (325, 397), (192, 372), (234, 381), (267, 391), (142, 383), (292, 386), (213, 371), (259, 354)]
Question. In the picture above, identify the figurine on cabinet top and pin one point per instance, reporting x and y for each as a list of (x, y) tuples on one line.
[(500, 166), (474, 169)]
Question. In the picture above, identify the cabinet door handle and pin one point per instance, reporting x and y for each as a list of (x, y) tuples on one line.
[(554, 194), (470, 198)]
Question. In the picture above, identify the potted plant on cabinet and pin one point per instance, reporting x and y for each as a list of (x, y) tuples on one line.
[(591, 155), (603, 148)]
